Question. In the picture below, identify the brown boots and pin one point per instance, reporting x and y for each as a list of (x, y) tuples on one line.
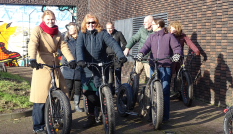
[(90, 121)]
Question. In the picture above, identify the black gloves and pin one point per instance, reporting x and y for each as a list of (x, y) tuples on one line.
[(175, 57), (139, 56), (119, 63), (123, 60), (72, 64), (81, 63), (34, 63)]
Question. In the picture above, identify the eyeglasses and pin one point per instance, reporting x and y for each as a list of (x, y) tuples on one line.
[(92, 22)]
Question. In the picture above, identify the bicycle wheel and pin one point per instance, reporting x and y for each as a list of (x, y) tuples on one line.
[(187, 88), (227, 122), (108, 111), (85, 105), (124, 99), (134, 83), (177, 87), (157, 104), (60, 120), (111, 81)]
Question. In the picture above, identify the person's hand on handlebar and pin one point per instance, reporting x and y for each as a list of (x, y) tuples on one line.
[(34, 64), (139, 56), (81, 63), (175, 57), (126, 51), (72, 64), (119, 63)]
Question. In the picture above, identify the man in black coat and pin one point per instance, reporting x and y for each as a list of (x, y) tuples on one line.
[(119, 37)]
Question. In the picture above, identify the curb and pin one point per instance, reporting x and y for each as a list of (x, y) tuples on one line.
[(16, 115)]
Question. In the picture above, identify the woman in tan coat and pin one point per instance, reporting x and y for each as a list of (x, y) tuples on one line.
[(44, 42)]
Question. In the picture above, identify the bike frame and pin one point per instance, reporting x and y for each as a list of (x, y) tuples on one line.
[(103, 83), (133, 69), (54, 86), (154, 77), (182, 68)]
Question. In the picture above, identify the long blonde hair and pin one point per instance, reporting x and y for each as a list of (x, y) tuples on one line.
[(177, 25), (76, 28), (83, 25), (48, 12)]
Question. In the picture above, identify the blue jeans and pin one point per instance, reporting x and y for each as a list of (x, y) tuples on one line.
[(165, 77), (38, 116)]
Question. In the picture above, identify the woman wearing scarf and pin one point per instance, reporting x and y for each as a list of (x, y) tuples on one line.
[(44, 42)]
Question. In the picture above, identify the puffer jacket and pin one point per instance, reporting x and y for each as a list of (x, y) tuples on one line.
[(141, 37), (68, 73), (92, 46)]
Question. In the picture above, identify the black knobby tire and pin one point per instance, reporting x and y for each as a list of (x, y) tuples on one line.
[(134, 83), (124, 99), (108, 114), (227, 122), (157, 104), (111, 81), (111, 77), (177, 87), (85, 105), (60, 120), (187, 88)]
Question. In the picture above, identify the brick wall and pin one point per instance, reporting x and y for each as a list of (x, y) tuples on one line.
[(208, 23)]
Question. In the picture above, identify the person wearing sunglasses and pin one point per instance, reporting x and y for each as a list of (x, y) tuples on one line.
[(91, 47)]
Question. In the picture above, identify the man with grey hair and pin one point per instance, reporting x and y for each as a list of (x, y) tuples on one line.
[(141, 36)]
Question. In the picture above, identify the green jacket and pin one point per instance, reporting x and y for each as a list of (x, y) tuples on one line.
[(141, 37)]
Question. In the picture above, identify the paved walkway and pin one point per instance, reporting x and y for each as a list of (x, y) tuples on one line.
[(200, 118)]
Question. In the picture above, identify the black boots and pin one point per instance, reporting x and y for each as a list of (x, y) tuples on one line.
[(90, 121), (76, 103)]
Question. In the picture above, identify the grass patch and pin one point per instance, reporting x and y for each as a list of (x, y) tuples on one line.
[(14, 93)]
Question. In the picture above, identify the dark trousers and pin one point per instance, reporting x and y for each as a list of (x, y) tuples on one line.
[(117, 72), (76, 84), (92, 100), (38, 116)]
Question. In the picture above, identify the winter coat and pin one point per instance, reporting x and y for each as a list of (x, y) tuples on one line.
[(68, 73), (141, 37), (183, 39), (119, 37), (43, 48), (161, 46), (92, 48)]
